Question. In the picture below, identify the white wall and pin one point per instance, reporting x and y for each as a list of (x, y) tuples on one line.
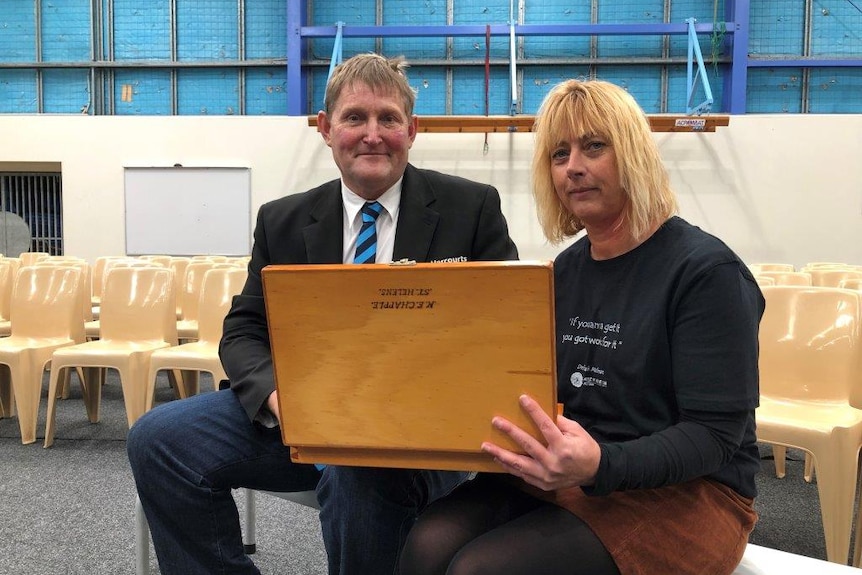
[(775, 188)]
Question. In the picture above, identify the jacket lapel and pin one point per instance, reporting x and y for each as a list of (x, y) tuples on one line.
[(323, 241), (416, 220)]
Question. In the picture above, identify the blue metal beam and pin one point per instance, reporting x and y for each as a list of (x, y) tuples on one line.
[(736, 82), (691, 77), (804, 63), (504, 30), (297, 81)]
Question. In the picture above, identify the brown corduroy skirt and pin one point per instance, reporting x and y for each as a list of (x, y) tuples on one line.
[(700, 527)]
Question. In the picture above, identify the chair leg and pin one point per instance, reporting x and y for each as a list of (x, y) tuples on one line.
[(249, 539), (191, 383), (27, 388), (66, 388), (779, 454), (836, 487), (175, 379), (808, 473), (7, 401), (134, 392), (91, 385), (151, 387), (53, 395), (142, 540)]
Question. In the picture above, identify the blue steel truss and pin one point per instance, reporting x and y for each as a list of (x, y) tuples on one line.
[(734, 29), (691, 77)]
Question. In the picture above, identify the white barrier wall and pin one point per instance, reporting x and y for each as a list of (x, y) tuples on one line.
[(775, 188)]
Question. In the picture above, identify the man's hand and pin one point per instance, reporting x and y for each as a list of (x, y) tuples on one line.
[(272, 405)]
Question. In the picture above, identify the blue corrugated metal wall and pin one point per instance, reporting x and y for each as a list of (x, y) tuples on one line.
[(227, 56)]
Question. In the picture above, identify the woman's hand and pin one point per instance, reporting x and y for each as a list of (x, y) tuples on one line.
[(571, 457)]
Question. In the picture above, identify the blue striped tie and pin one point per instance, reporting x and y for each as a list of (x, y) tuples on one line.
[(366, 242), (366, 248)]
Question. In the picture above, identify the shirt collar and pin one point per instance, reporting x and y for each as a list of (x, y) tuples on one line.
[(390, 200)]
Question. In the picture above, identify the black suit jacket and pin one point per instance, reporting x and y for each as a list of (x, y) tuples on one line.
[(440, 217)]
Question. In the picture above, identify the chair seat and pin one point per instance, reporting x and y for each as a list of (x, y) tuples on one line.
[(191, 359), (102, 348), (182, 356), (14, 344), (813, 415)]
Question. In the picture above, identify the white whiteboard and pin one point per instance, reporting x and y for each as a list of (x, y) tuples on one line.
[(188, 211)]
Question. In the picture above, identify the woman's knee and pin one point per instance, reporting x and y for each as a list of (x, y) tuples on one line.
[(429, 549)]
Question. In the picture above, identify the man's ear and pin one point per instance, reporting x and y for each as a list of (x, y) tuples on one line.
[(323, 126), (413, 129)]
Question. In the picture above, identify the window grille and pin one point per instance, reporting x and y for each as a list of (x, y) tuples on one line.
[(37, 199)]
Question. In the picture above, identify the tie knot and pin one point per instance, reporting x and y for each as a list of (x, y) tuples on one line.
[(370, 211)]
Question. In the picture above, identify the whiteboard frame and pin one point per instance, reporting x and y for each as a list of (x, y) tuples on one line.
[(187, 211)]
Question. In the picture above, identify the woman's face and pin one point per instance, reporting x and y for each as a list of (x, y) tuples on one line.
[(587, 182)]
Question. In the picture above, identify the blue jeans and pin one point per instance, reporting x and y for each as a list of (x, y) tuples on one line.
[(187, 455)]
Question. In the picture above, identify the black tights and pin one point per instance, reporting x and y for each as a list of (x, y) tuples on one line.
[(487, 527)]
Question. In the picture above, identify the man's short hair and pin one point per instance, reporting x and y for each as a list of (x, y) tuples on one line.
[(381, 74)]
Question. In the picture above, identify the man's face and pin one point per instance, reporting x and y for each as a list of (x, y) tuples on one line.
[(370, 135)]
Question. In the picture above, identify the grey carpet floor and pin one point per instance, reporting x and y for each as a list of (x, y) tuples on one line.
[(70, 509)]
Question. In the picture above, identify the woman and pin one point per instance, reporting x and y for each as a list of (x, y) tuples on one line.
[(650, 470)]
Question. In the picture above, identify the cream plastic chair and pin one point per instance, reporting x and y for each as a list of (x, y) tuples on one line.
[(159, 259), (92, 327), (813, 265), (763, 280), (7, 283), (84, 266), (65, 258), (138, 318), (772, 267), (832, 277), (238, 260), (209, 258), (86, 306), (179, 265), (14, 265), (219, 287), (187, 328), (29, 258), (46, 316), (98, 277), (851, 283), (810, 356), (779, 452), (788, 278), (189, 296)]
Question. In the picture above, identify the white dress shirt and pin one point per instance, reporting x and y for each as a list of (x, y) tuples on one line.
[(386, 222)]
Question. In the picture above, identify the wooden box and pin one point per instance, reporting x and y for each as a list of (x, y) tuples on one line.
[(405, 365)]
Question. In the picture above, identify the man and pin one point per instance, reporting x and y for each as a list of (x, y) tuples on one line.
[(187, 455)]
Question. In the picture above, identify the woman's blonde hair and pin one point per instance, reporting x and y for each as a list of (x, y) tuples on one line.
[(375, 71), (577, 108)]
